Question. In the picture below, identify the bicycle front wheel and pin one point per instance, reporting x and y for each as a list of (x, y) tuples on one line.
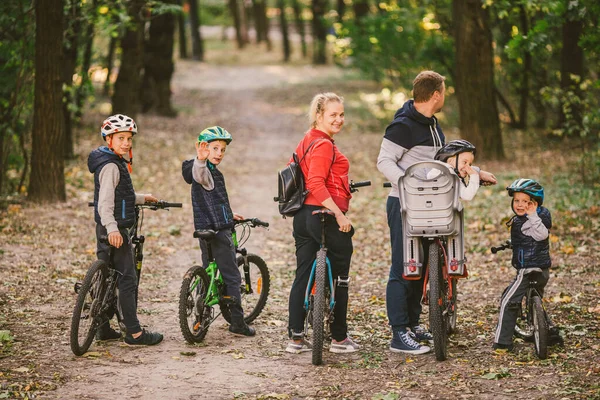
[(437, 303), (194, 314), (319, 313), (87, 312), (540, 328), (453, 309)]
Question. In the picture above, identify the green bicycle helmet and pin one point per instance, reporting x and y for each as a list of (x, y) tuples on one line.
[(214, 133), (528, 186)]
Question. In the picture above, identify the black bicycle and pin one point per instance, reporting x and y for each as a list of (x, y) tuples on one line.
[(97, 294), (203, 288), (531, 323), (319, 299)]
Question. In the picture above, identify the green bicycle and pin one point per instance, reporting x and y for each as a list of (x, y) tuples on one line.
[(203, 288)]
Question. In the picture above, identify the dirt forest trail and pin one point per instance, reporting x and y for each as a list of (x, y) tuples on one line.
[(44, 251)]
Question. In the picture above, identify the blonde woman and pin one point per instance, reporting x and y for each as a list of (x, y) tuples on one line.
[(325, 171)]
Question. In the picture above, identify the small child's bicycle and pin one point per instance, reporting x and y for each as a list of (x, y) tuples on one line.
[(319, 299), (531, 323), (97, 294), (203, 288)]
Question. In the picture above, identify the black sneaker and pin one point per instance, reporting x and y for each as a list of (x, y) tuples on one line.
[(554, 336), (145, 339), (244, 330), (106, 333), (499, 346), (403, 342)]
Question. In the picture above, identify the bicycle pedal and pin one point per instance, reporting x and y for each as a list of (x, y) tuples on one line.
[(77, 287), (228, 300)]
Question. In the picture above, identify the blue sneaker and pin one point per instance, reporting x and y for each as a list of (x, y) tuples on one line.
[(404, 342), (421, 334)]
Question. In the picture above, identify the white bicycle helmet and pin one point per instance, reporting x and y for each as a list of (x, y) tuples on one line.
[(118, 123)]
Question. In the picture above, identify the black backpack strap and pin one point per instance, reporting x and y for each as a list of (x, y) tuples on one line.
[(311, 145)]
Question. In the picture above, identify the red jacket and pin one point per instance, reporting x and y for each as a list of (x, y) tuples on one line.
[(325, 170)]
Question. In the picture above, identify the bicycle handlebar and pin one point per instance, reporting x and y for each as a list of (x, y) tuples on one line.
[(387, 184), (355, 185), (155, 206), (503, 246), (254, 222)]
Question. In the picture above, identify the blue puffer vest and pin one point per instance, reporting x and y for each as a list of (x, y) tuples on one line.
[(528, 252), (124, 193), (211, 207)]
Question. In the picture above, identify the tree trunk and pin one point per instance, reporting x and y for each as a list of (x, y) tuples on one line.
[(47, 180), (524, 89), (256, 15), (110, 57), (264, 23), (361, 9), (197, 44), (158, 65), (319, 31), (571, 64), (235, 15), (475, 79), (85, 65), (297, 6), (70, 52), (181, 30), (341, 10), (127, 87), (284, 31), (244, 21)]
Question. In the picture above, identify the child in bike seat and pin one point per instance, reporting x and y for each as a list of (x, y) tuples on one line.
[(529, 232), (213, 211), (459, 154), (114, 212)]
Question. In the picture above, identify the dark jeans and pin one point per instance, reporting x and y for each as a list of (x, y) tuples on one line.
[(223, 250), (127, 283), (403, 297), (307, 235)]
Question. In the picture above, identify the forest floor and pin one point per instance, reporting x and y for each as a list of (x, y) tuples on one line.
[(44, 250)]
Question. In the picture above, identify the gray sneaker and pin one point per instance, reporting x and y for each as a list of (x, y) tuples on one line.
[(298, 346), (345, 346)]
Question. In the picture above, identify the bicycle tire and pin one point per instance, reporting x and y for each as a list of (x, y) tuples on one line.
[(318, 322), (453, 314), (194, 315), (540, 331), (260, 283), (437, 303), (86, 317)]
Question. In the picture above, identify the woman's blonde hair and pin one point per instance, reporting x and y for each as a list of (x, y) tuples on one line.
[(318, 103)]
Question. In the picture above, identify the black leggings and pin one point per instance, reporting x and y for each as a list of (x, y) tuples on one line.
[(307, 235)]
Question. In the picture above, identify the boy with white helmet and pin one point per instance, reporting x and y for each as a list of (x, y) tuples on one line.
[(213, 211), (114, 212)]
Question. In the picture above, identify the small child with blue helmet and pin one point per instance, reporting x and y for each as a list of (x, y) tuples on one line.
[(529, 233), (212, 210)]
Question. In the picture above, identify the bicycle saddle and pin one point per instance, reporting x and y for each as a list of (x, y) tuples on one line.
[(206, 234)]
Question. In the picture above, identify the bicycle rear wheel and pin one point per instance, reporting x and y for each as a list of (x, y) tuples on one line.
[(318, 320), (254, 289), (540, 328), (437, 303), (87, 312), (194, 314)]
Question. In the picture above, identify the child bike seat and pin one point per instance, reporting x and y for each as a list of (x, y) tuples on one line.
[(206, 234)]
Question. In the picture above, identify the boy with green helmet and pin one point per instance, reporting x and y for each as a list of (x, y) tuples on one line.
[(212, 210)]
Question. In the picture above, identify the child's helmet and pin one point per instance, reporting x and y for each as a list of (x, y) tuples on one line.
[(528, 186), (214, 133), (118, 123), (453, 148)]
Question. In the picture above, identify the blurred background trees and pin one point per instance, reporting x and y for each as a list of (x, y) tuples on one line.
[(511, 64)]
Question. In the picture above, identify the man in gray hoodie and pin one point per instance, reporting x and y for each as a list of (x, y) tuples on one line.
[(414, 135)]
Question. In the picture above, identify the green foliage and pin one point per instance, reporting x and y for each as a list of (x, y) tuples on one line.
[(16, 88), (393, 45), (214, 13)]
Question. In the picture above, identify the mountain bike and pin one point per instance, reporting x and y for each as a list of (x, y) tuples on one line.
[(319, 299), (97, 294), (532, 324), (203, 288), (433, 226)]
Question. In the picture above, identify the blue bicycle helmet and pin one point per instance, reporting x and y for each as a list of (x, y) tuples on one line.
[(214, 133), (528, 186)]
